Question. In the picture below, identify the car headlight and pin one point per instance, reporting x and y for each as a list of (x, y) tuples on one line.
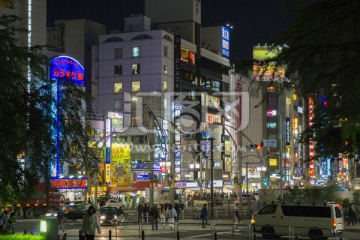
[(102, 217)]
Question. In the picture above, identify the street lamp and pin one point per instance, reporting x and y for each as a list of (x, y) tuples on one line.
[(211, 174)]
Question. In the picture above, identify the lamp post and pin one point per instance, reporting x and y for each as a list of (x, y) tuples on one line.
[(211, 175)]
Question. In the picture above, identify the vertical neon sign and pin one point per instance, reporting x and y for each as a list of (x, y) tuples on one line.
[(108, 150), (62, 68)]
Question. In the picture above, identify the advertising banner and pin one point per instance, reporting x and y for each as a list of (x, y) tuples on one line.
[(120, 164)]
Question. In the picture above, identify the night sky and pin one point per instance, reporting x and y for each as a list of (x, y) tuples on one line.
[(254, 21)]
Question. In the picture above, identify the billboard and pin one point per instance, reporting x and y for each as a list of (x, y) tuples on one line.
[(120, 164), (263, 69)]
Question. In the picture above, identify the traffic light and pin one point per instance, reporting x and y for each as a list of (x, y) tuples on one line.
[(255, 146)]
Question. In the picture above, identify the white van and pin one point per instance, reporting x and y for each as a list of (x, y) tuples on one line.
[(316, 221)]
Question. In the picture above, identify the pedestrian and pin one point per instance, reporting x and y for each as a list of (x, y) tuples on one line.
[(352, 215), (162, 215), (204, 215), (140, 210), (10, 226), (60, 216), (3, 220), (237, 216), (145, 212), (172, 216), (90, 223), (154, 216)]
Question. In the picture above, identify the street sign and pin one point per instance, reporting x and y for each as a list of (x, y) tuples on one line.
[(270, 143)]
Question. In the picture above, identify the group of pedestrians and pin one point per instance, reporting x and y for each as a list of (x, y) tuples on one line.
[(165, 214), (7, 221)]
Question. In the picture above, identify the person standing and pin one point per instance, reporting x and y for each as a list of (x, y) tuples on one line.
[(204, 215), (145, 212), (3, 220), (140, 210), (11, 223), (154, 216), (90, 223), (352, 215), (173, 215)]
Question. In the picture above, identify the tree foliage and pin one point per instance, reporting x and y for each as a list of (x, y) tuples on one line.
[(320, 51), (27, 119)]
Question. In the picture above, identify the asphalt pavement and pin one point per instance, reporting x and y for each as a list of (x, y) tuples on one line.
[(187, 229)]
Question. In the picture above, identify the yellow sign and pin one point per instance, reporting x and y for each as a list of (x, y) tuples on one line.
[(273, 162), (107, 173), (120, 164)]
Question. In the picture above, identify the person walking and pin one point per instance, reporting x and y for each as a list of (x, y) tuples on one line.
[(154, 216), (352, 215), (90, 223), (237, 216), (204, 215), (60, 216)]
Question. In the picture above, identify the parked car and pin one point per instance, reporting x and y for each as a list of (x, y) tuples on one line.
[(108, 215), (74, 212)]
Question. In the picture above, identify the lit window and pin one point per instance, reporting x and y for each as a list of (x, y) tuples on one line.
[(294, 97), (165, 70), (136, 86), (165, 86), (136, 51), (117, 70), (135, 69), (118, 87), (271, 125)]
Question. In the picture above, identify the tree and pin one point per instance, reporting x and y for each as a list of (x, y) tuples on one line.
[(320, 51), (27, 118)]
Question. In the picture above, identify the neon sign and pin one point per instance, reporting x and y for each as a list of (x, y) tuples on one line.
[(67, 68)]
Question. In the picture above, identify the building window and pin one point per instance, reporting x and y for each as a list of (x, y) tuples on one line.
[(165, 86), (118, 53), (165, 51), (136, 86), (117, 70), (135, 69), (118, 104), (118, 87), (136, 51), (165, 69)]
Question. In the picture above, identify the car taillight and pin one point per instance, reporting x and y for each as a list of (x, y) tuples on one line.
[(334, 223)]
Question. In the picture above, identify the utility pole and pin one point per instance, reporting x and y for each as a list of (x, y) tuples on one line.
[(280, 155), (151, 173), (212, 175)]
